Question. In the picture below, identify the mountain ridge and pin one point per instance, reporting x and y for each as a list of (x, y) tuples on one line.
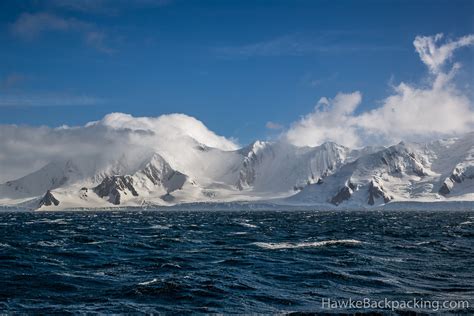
[(276, 172)]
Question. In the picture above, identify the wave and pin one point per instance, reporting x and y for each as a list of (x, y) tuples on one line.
[(286, 245), (160, 226), (148, 282), (247, 225)]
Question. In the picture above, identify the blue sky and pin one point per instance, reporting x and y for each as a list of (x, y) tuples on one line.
[(235, 65)]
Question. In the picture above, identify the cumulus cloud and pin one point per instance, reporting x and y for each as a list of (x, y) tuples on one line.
[(169, 127), (410, 113), (99, 144), (332, 119)]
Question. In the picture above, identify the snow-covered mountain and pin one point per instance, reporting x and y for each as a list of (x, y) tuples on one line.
[(276, 172), (436, 171)]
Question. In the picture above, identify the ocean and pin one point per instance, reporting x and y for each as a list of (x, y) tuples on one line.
[(133, 261)]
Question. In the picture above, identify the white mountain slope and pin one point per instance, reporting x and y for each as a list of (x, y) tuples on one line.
[(404, 172), (165, 174), (281, 167), (51, 176)]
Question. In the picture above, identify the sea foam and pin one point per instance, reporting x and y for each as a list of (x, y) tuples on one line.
[(286, 245)]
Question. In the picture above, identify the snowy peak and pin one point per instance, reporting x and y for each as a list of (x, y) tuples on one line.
[(158, 172), (155, 177), (51, 176)]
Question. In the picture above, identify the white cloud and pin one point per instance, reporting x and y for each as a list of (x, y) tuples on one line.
[(419, 113), (170, 127), (331, 120), (410, 113), (26, 149), (435, 56)]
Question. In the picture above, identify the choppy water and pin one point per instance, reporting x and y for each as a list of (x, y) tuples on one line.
[(230, 262)]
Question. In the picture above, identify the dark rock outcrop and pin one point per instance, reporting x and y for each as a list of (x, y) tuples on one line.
[(445, 188), (457, 176), (114, 187), (48, 200), (344, 194), (377, 191)]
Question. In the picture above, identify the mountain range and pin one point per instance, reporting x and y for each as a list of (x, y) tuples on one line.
[(263, 172)]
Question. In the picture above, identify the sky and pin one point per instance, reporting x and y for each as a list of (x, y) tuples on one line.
[(353, 72)]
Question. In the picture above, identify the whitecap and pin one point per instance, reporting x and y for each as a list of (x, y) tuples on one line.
[(48, 244), (160, 226), (60, 221), (421, 243), (286, 245), (148, 282), (171, 265), (466, 223), (248, 225)]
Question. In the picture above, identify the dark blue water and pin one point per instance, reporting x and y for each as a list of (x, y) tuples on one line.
[(230, 262)]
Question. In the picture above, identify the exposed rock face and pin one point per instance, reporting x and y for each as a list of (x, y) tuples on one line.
[(272, 166), (376, 191), (445, 188), (253, 157), (114, 187), (399, 159), (344, 194), (48, 200), (459, 175), (159, 172)]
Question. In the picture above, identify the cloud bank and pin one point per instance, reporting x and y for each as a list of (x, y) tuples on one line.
[(410, 113), (25, 149)]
